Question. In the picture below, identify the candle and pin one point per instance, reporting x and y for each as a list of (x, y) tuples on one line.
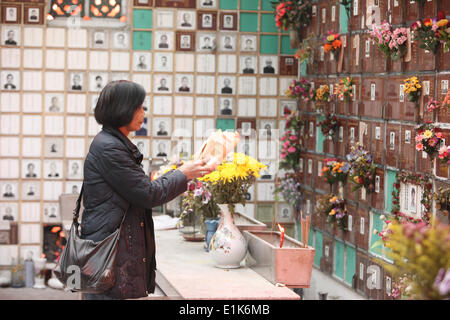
[(282, 235)]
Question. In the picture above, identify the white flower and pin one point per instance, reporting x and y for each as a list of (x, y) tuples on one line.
[(375, 231), (382, 217)]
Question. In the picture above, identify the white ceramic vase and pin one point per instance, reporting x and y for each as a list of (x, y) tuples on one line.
[(228, 246)]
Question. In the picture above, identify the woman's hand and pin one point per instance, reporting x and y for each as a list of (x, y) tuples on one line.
[(195, 169)]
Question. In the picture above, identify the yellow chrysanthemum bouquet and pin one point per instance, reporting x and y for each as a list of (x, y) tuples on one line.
[(231, 180), (412, 89)]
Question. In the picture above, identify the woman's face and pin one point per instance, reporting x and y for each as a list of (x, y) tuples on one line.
[(137, 121)]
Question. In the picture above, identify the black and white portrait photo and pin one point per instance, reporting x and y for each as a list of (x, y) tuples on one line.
[(412, 196), (11, 36), (53, 169), (269, 64), (248, 43), (31, 169), (206, 42), (53, 147), (228, 21), (186, 20), (8, 212), (161, 148), (185, 42), (97, 81), (99, 39), (11, 14), (163, 61), (184, 83), (227, 42), (30, 190), (226, 84), (9, 190), (51, 211), (74, 169), (248, 64), (207, 22), (10, 80), (33, 14), (162, 127), (142, 61), (266, 129), (143, 146), (226, 106), (163, 83), (183, 148), (76, 81), (54, 102), (120, 40), (207, 4), (164, 40)]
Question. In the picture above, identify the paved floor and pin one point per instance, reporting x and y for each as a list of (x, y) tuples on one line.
[(36, 294)]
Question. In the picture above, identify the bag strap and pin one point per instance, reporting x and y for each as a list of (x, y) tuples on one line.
[(76, 211)]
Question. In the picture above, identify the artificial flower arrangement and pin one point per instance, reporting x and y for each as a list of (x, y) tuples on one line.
[(362, 172), (446, 102), (306, 49), (428, 138), (335, 171), (431, 32), (392, 43), (292, 141), (412, 89), (292, 14), (332, 42), (444, 33), (334, 209), (420, 255), (289, 188), (321, 95), (231, 180), (198, 199), (300, 89), (444, 154), (329, 126), (442, 197), (432, 105), (344, 89)]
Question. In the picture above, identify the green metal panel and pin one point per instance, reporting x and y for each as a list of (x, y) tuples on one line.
[(268, 23), (142, 40), (249, 4), (318, 246), (350, 263), (266, 5), (303, 69), (228, 4), (376, 224), (339, 259), (225, 124), (343, 19), (320, 138), (310, 236), (264, 212), (248, 22), (268, 44), (142, 19), (390, 179), (286, 46)]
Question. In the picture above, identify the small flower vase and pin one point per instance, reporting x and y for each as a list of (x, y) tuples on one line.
[(413, 96), (211, 227), (228, 246), (293, 37), (402, 50)]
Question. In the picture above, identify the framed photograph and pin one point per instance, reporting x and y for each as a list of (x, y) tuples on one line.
[(53, 147), (73, 187), (120, 40), (97, 81), (143, 146), (161, 148), (99, 39), (227, 42), (185, 41), (163, 62), (247, 64), (11, 36), (54, 102), (10, 80), (76, 81), (186, 20), (33, 14), (228, 21), (8, 211), (11, 13), (206, 42), (8, 190), (164, 40), (207, 4), (248, 43), (288, 66), (226, 106), (267, 129), (184, 83), (146, 3), (142, 61), (206, 20), (163, 83), (164, 18), (286, 106), (31, 168), (74, 169), (246, 127), (31, 190), (407, 136), (162, 127), (268, 64), (226, 85), (175, 3), (284, 213), (53, 169), (51, 213)]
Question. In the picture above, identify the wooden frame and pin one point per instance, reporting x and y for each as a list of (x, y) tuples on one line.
[(210, 24), (182, 44), (224, 23), (29, 16), (11, 13), (175, 3)]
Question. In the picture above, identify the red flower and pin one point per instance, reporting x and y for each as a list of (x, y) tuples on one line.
[(441, 15)]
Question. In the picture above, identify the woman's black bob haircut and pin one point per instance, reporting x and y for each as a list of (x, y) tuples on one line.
[(117, 103)]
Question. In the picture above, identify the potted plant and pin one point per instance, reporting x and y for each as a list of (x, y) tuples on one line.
[(198, 200), (362, 171), (228, 185), (428, 139), (392, 43), (292, 15)]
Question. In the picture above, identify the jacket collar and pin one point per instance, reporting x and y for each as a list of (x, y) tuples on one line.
[(130, 145)]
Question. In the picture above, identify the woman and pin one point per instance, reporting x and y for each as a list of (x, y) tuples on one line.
[(114, 182)]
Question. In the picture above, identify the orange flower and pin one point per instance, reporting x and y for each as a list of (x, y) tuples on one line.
[(337, 44), (327, 47)]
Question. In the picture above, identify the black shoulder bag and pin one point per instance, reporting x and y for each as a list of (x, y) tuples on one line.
[(87, 266)]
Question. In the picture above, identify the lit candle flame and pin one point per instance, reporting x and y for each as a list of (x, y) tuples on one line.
[(154, 175), (282, 235)]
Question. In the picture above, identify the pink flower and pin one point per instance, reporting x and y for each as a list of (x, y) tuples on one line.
[(293, 138), (291, 149), (438, 134), (286, 144), (433, 141), (419, 147), (419, 138), (283, 155)]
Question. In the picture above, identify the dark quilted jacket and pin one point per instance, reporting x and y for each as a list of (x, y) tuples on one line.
[(114, 180)]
